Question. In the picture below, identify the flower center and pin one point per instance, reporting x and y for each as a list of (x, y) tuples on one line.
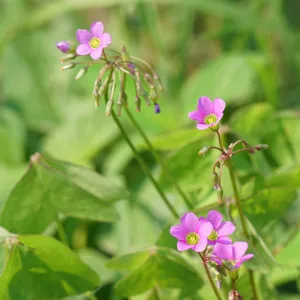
[(210, 119), (213, 236), (192, 238), (94, 42)]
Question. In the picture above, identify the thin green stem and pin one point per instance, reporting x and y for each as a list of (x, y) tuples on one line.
[(144, 165), (159, 159), (220, 141), (210, 278), (61, 232), (252, 283)]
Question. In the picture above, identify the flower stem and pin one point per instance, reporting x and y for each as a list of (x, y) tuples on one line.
[(144, 165), (210, 278), (158, 159)]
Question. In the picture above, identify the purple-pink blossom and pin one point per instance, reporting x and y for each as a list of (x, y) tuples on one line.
[(157, 108), (63, 46), (208, 113), (220, 229), (235, 253), (192, 233), (92, 42)]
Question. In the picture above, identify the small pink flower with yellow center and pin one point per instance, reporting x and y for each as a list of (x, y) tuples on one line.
[(92, 43), (209, 113), (191, 233)]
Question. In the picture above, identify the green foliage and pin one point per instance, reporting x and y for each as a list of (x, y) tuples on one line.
[(82, 194), (39, 267)]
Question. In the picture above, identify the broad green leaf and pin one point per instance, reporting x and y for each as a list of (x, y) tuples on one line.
[(12, 137), (40, 267), (230, 77), (51, 187), (164, 268)]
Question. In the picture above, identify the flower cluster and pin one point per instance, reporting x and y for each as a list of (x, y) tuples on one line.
[(117, 67), (209, 237)]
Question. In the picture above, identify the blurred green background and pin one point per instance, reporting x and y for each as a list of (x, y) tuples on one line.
[(246, 52)]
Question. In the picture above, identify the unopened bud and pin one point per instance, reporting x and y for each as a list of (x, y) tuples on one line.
[(68, 57), (109, 106), (68, 66), (216, 181), (81, 73), (234, 295), (158, 82), (119, 108), (153, 94), (261, 147), (146, 97), (157, 108), (103, 87), (138, 103), (216, 276), (96, 98), (124, 55), (203, 151), (220, 194)]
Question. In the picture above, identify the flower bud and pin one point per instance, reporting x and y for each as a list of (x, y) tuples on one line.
[(109, 106), (71, 65), (220, 194), (103, 87), (63, 46), (261, 147), (157, 108), (124, 55), (216, 181), (81, 73), (158, 82), (234, 295), (146, 97), (153, 94), (138, 103), (68, 57), (96, 98), (203, 151)]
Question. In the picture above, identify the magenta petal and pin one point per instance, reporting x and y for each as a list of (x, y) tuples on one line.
[(201, 244), (97, 29), (182, 246), (215, 218), (83, 49), (246, 257), (205, 228), (224, 251), (219, 117), (239, 249), (178, 232), (194, 115), (206, 105), (83, 36), (96, 54), (226, 228), (218, 106), (105, 40), (202, 126), (190, 222)]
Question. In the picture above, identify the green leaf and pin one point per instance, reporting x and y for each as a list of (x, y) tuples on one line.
[(51, 187), (230, 76), (12, 137), (164, 268), (40, 267)]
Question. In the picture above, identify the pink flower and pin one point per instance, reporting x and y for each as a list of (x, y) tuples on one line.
[(92, 42), (192, 233), (63, 46), (209, 113), (220, 229), (235, 253)]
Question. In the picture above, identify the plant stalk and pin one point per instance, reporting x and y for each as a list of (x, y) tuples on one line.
[(210, 278), (158, 159)]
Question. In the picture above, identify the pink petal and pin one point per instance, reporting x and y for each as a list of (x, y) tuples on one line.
[(215, 218), (224, 240), (246, 257), (194, 115), (224, 251), (205, 105), (83, 49), (105, 40), (239, 249), (205, 228), (226, 228), (182, 246), (96, 53), (218, 106), (190, 222), (219, 117), (97, 29), (202, 243), (178, 232), (83, 36), (202, 126)]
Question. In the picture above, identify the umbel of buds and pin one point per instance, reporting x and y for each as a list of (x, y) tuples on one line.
[(115, 68)]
